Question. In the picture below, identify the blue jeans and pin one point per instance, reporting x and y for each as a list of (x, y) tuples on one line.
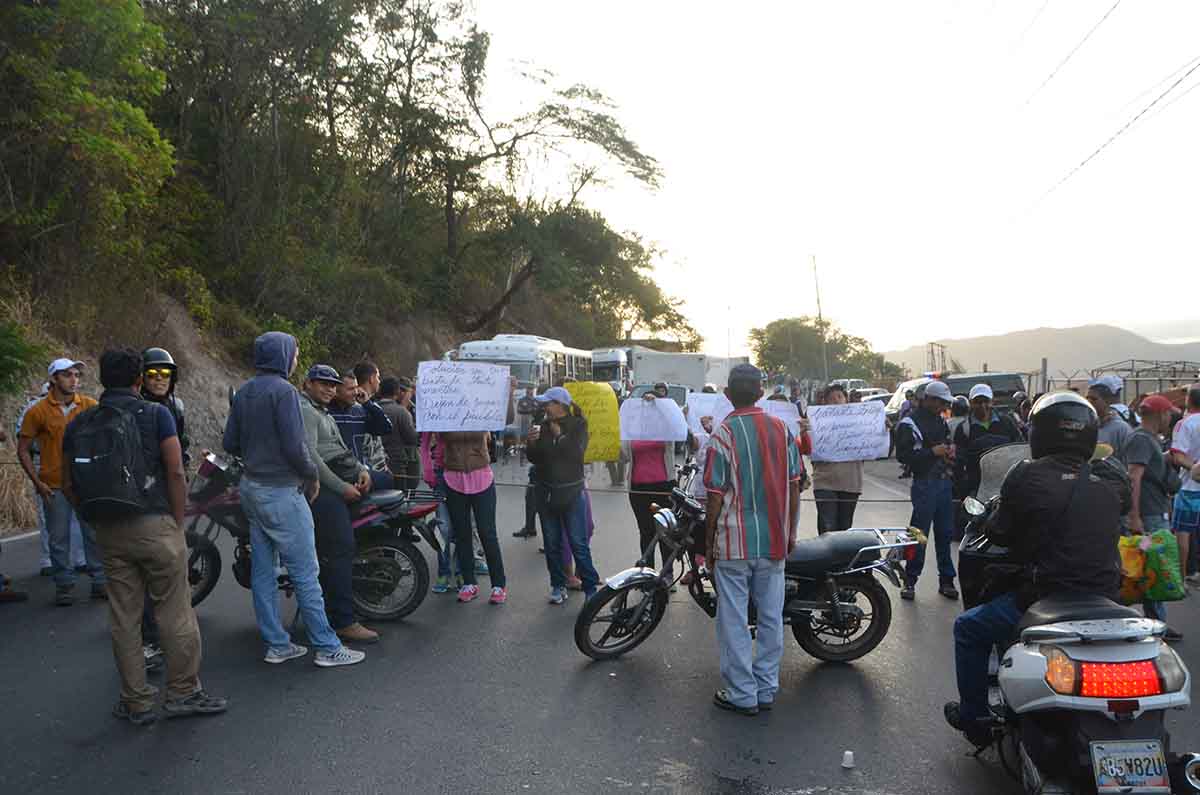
[(975, 633), (281, 526), (751, 675), (447, 562), (335, 551), (483, 507), (933, 506), (77, 557), (60, 515), (573, 525)]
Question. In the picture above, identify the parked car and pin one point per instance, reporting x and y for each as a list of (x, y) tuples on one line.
[(677, 392)]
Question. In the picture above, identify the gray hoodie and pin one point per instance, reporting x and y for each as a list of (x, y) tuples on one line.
[(265, 427)]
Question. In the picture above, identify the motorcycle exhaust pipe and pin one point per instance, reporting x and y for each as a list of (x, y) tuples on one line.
[(1191, 770)]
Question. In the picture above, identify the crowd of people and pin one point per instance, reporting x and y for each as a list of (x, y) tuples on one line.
[(309, 454)]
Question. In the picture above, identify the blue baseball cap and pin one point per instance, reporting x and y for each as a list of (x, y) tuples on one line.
[(556, 394), (323, 372)]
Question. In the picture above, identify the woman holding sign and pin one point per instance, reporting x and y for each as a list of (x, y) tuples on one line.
[(836, 485), (651, 478)]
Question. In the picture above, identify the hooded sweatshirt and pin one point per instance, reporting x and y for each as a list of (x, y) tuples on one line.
[(265, 427)]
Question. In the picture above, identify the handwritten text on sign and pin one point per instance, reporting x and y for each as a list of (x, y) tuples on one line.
[(652, 421), (851, 432), (461, 396), (599, 406)]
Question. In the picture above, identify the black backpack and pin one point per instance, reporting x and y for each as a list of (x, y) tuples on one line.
[(108, 463)]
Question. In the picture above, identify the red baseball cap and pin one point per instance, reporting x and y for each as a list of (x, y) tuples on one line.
[(1155, 404)]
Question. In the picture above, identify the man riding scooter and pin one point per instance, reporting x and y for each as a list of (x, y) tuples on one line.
[(1060, 517), (344, 481)]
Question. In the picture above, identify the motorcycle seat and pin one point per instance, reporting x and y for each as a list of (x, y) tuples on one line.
[(814, 556), (1057, 608), (377, 499)]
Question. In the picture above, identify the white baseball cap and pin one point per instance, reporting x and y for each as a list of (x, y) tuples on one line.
[(980, 390), (1112, 383), (939, 390), (58, 365)]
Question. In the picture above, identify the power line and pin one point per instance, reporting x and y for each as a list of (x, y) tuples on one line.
[(1126, 126), (1032, 22), (1163, 109), (1150, 89), (1074, 50)]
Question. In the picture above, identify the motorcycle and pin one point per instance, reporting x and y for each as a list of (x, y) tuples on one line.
[(837, 609), (390, 575), (1079, 696)]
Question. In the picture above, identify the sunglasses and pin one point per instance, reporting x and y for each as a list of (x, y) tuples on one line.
[(156, 373)]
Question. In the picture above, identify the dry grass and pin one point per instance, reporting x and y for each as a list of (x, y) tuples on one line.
[(17, 508)]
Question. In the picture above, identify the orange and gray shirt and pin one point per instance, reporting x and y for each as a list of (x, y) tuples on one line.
[(45, 423)]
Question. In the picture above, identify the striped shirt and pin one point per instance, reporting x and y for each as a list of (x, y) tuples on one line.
[(752, 458)]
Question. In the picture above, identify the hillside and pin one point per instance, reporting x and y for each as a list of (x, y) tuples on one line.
[(1068, 349)]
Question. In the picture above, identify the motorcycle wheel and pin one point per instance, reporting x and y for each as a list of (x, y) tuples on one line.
[(611, 611), (861, 634), (390, 579), (204, 566)]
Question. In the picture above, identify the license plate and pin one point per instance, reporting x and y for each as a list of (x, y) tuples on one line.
[(1135, 766)]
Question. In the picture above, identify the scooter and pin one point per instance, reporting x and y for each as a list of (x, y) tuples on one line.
[(1080, 695)]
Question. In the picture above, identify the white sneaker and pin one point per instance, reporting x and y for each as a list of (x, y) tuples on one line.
[(338, 657), (277, 656), (558, 596)]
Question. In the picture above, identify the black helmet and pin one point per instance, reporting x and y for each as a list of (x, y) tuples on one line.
[(961, 406), (160, 357), (1063, 423)]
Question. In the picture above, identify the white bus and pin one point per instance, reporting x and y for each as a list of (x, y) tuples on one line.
[(534, 361)]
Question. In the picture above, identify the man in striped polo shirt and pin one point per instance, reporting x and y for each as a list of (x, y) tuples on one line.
[(753, 477)]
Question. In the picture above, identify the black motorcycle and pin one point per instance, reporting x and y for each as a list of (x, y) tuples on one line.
[(390, 575), (837, 609)]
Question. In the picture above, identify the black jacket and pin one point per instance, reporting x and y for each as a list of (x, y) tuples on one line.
[(175, 406), (916, 453), (1063, 529), (559, 460), (971, 441)]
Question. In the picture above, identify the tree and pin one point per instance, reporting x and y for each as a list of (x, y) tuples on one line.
[(799, 346)]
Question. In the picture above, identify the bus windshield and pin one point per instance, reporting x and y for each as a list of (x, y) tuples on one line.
[(606, 372)]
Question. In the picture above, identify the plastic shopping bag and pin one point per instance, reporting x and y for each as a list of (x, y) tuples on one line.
[(1162, 568), (1133, 570)]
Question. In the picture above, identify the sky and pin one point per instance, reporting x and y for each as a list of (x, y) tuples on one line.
[(915, 149)]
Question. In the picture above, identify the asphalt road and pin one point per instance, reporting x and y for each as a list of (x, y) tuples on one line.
[(477, 698)]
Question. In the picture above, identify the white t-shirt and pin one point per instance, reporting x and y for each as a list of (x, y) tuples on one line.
[(1186, 440)]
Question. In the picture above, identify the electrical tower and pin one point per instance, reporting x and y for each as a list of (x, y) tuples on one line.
[(936, 357)]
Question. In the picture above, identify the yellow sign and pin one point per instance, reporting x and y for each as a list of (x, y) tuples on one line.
[(598, 403)]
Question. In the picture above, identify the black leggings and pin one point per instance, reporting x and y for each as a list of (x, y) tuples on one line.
[(640, 502)]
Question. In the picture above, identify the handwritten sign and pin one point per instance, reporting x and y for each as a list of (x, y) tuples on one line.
[(784, 410), (462, 396), (598, 403), (850, 432), (703, 404), (652, 421)]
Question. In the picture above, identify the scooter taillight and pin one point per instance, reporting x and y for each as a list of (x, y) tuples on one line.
[(1119, 680)]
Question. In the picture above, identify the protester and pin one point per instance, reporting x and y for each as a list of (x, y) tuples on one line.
[(78, 560), (527, 407), (160, 375), (403, 445), (651, 478), (266, 430), (1103, 394), (1185, 454), (45, 424), (360, 419), (923, 444), (366, 374), (960, 409), (344, 481), (752, 453), (1152, 480), (983, 430), (433, 470), (145, 552), (837, 485), (471, 492), (556, 448)]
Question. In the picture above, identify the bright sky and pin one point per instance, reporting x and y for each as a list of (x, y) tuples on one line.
[(903, 145)]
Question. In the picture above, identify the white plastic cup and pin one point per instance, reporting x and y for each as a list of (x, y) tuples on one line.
[(848, 759)]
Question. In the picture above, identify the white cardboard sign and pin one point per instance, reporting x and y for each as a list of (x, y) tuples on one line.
[(849, 432), (659, 420), (703, 404), (462, 396), (784, 410)]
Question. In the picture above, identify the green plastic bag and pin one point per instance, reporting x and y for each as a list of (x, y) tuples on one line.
[(1162, 567)]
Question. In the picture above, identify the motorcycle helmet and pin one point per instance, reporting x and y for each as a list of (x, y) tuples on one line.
[(961, 406), (1063, 423), (161, 358)]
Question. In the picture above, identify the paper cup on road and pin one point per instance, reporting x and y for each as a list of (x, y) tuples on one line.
[(848, 759)]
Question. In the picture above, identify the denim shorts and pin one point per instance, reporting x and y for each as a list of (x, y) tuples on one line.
[(1186, 518)]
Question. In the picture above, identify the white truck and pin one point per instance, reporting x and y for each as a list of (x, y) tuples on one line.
[(692, 370)]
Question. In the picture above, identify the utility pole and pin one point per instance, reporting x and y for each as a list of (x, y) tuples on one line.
[(821, 320)]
